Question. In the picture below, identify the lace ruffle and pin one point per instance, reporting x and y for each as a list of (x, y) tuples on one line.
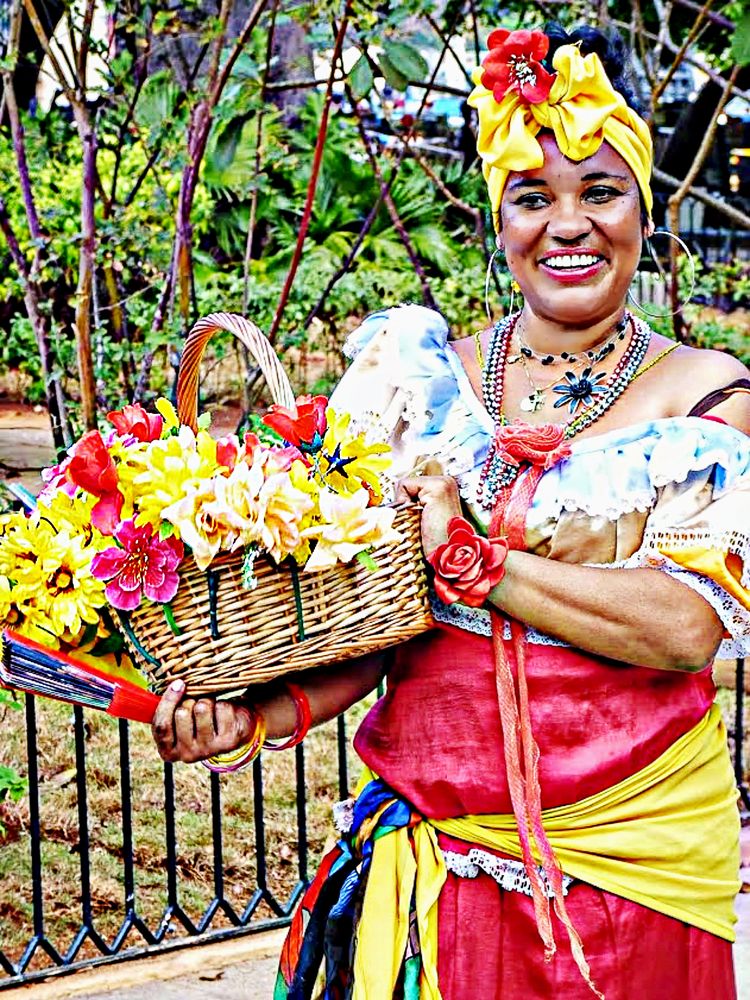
[(509, 874), (478, 621), (621, 472)]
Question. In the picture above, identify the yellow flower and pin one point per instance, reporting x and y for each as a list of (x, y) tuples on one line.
[(284, 508), (174, 466), (23, 547), (32, 621), (73, 516), (73, 594), (347, 462), (171, 420), (7, 602), (350, 527)]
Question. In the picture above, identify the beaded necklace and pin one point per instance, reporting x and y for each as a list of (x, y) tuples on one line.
[(496, 473)]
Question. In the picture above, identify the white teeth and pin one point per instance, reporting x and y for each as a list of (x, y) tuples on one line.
[(572, 260)]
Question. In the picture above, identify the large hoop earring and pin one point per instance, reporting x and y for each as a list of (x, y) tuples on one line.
[(662, 275), (488, 278), (514, 286)]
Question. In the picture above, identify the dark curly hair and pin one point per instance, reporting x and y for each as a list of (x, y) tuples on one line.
[(611, 49)]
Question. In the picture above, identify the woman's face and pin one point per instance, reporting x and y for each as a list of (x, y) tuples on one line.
[(572, 234)]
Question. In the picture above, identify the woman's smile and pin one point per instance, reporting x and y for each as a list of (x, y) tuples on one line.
[(571, 267)]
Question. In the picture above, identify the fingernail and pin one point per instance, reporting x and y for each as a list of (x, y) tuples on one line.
[(177, 686)]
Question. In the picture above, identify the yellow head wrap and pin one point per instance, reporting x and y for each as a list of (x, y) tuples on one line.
[(583, 110)]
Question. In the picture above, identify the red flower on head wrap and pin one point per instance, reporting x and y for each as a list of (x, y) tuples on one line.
[(514, 63)]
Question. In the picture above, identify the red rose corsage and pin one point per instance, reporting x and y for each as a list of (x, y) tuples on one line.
[(467, 566)]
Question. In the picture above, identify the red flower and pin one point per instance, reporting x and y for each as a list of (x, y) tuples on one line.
[(228, 451), (514, 63), (91, 467), (467, 566), (542, 446), (133, 419), (303, 426)]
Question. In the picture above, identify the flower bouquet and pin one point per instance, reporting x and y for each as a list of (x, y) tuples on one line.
[(222, 562)]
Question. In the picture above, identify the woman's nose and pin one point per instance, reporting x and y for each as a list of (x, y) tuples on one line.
[(568, 221)]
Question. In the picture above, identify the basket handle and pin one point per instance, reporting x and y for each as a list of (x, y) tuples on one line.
[(254, 340)]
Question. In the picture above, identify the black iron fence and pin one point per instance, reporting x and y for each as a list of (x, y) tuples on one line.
[(264, 902)]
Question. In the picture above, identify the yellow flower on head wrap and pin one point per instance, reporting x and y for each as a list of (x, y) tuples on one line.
[(582, 109)]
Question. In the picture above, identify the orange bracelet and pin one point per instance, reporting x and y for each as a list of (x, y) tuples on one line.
[(303, 723)]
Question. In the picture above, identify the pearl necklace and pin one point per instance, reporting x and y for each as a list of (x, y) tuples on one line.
[(497, 473)]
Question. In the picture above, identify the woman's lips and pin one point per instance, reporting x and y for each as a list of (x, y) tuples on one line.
[(572, 269)]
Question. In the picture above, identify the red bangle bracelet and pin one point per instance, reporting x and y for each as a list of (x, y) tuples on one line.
[(303, 723)]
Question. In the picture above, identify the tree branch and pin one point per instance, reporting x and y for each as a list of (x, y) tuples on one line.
[(687, 42), (700, 194), (675, 200), (314, 173)]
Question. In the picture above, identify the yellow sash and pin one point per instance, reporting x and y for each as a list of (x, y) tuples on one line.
[(666, 837)]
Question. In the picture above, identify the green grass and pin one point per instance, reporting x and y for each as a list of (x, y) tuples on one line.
[(60, 831)]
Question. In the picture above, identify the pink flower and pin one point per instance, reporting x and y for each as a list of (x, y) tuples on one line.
[(543, 445), (55, 479), (134, 420), (281, 459), (144, 565), (514, 63)]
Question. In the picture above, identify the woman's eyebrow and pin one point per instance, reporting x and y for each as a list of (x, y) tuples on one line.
[(602, 175), (523, 182)]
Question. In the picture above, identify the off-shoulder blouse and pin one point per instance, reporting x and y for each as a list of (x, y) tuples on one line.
[(671, 494)]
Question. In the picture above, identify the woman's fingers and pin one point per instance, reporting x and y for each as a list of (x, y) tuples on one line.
[(235, 724), (204, 723), (408, 489), (162, 726), (184, 728)]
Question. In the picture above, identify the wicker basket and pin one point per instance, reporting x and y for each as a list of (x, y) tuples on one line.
[(227, 637)]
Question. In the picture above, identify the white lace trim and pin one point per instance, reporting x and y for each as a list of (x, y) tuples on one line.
[(478, 621), (509, 874), (735, 542), (343, 816)]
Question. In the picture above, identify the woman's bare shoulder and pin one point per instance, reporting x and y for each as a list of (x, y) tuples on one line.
[(695, 373)]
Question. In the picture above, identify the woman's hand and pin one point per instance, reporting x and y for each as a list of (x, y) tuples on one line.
[(440, 501), (193, 730)]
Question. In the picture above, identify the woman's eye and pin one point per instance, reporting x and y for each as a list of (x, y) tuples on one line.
[(533, 200), (601, 193)]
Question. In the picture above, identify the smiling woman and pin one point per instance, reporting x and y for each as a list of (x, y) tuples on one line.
[(546, 774)]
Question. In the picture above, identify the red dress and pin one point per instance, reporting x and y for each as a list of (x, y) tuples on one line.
[(436, 738)]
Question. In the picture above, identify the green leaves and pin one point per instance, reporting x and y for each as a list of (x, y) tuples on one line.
[(399, 63), (361, 77), (741, 40), (156, 101), (408, 63)]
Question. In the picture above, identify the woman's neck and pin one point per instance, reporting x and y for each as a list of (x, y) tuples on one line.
[(550, 336)]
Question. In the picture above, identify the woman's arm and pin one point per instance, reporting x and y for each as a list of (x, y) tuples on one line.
[(638, 616), (189, 730)]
